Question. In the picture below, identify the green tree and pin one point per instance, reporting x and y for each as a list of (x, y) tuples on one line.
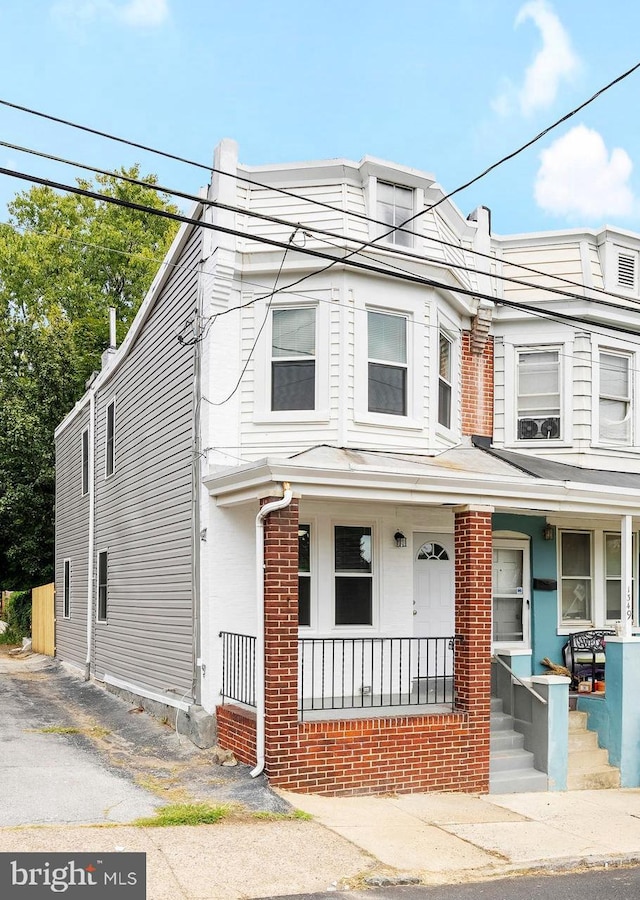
[(64, 260)]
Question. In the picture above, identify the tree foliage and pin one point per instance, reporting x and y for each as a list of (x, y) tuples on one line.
[(64, 260)]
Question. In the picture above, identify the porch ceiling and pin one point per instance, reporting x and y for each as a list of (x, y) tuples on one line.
[(460, 476)]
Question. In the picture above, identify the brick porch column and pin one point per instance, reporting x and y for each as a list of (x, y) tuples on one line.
[(473, 552), (281, 639)]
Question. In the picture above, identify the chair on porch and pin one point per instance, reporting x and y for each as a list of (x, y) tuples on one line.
[(584, 656)]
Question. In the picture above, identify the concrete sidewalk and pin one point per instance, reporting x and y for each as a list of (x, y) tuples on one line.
[(366, 841)]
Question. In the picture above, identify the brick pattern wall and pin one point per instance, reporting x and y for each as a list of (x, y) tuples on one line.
[(477, 388), (237, 732), (442, 751)]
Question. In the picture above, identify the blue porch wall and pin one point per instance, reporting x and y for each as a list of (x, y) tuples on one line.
[(544, 604)]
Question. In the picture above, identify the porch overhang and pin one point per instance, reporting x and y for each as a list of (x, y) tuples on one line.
[(461, 476)]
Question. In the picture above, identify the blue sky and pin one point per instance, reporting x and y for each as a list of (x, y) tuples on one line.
[(446, 87)]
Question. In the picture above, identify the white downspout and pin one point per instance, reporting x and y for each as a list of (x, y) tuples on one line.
[(92, 513), (266, 510)]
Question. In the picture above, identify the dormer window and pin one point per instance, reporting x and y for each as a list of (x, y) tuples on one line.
[(387, 338), (538, 404), (395, 206)]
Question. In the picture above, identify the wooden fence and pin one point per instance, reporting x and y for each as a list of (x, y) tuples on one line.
[(43, 620)]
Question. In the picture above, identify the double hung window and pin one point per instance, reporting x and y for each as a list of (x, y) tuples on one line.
[(293, 359), (387, 375), (614, 402), (395, 206), (353, 575), (538, 400), (444, 381)]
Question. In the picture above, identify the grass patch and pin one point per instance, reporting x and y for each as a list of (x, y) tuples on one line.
[(295, 814), (95, 731), (184, 814)]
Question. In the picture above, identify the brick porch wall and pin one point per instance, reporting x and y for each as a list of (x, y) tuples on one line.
[(436, 752)]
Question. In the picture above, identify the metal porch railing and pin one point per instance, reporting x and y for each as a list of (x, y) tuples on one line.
[(351, 673)]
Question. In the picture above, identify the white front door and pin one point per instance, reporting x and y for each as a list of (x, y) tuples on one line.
[(511, 593), (433, 592)]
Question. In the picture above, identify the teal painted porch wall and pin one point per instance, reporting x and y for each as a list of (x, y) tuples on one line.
[(544, 604)]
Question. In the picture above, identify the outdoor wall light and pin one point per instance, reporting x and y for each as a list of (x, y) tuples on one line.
[(548, 532), (400, 539)]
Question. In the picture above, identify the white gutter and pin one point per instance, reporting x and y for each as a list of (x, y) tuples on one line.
[(266, 510), (92, 513)]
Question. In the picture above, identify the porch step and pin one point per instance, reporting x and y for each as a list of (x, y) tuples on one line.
[(511, 766), (589, 767)]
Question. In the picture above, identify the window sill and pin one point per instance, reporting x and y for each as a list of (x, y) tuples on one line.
[(293, 416), (388, 420)]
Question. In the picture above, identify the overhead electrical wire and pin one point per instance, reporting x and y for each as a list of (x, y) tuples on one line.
[(351, 263)]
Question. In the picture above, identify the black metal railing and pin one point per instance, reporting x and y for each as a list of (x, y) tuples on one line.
[(238, 668), (362, 673), (350, 673)]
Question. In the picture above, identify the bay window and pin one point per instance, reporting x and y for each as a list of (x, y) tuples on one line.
[(387, 372), (293, 362)]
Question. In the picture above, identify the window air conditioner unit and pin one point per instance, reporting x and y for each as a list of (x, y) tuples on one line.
[(539, 429)]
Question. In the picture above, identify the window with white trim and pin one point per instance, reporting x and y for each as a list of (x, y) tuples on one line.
[(353, 575), (110, 447), (445, 367), (103, 571), (538, 395), (304, 574), (395, 206), (66, 589), (293, 358), (387, 371), (590, 568), (614, 401)]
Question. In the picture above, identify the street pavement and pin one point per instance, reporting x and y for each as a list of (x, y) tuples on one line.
[(80, 789)]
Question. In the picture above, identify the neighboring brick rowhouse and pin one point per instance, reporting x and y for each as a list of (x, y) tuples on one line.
[(442, 751), (477, 387)]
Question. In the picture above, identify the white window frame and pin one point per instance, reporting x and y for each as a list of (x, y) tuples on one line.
[(397, 238), (262, 412), (109, 474), (522, 545), (373, 575), (310, 522), (599, 578), (598, 395), (453, 339), (389, 364), (565, 391), (292, 358), (66, 588)]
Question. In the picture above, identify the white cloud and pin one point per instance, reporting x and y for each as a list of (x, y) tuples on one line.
[(555, 61), (578, 175), (135, 13)]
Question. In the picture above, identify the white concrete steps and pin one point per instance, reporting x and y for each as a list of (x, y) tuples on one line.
[(511, 766), (589, 767)]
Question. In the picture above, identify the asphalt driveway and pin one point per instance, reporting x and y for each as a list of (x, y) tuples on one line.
[(72, 753)]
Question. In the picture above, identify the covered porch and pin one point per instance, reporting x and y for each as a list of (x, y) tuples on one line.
[(346, 685)]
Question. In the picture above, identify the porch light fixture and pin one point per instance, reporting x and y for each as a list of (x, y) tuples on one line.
[(400, 539), (548, 532)]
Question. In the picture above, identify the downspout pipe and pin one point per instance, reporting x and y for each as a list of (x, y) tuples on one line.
[(92, 516), (266, 510)]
